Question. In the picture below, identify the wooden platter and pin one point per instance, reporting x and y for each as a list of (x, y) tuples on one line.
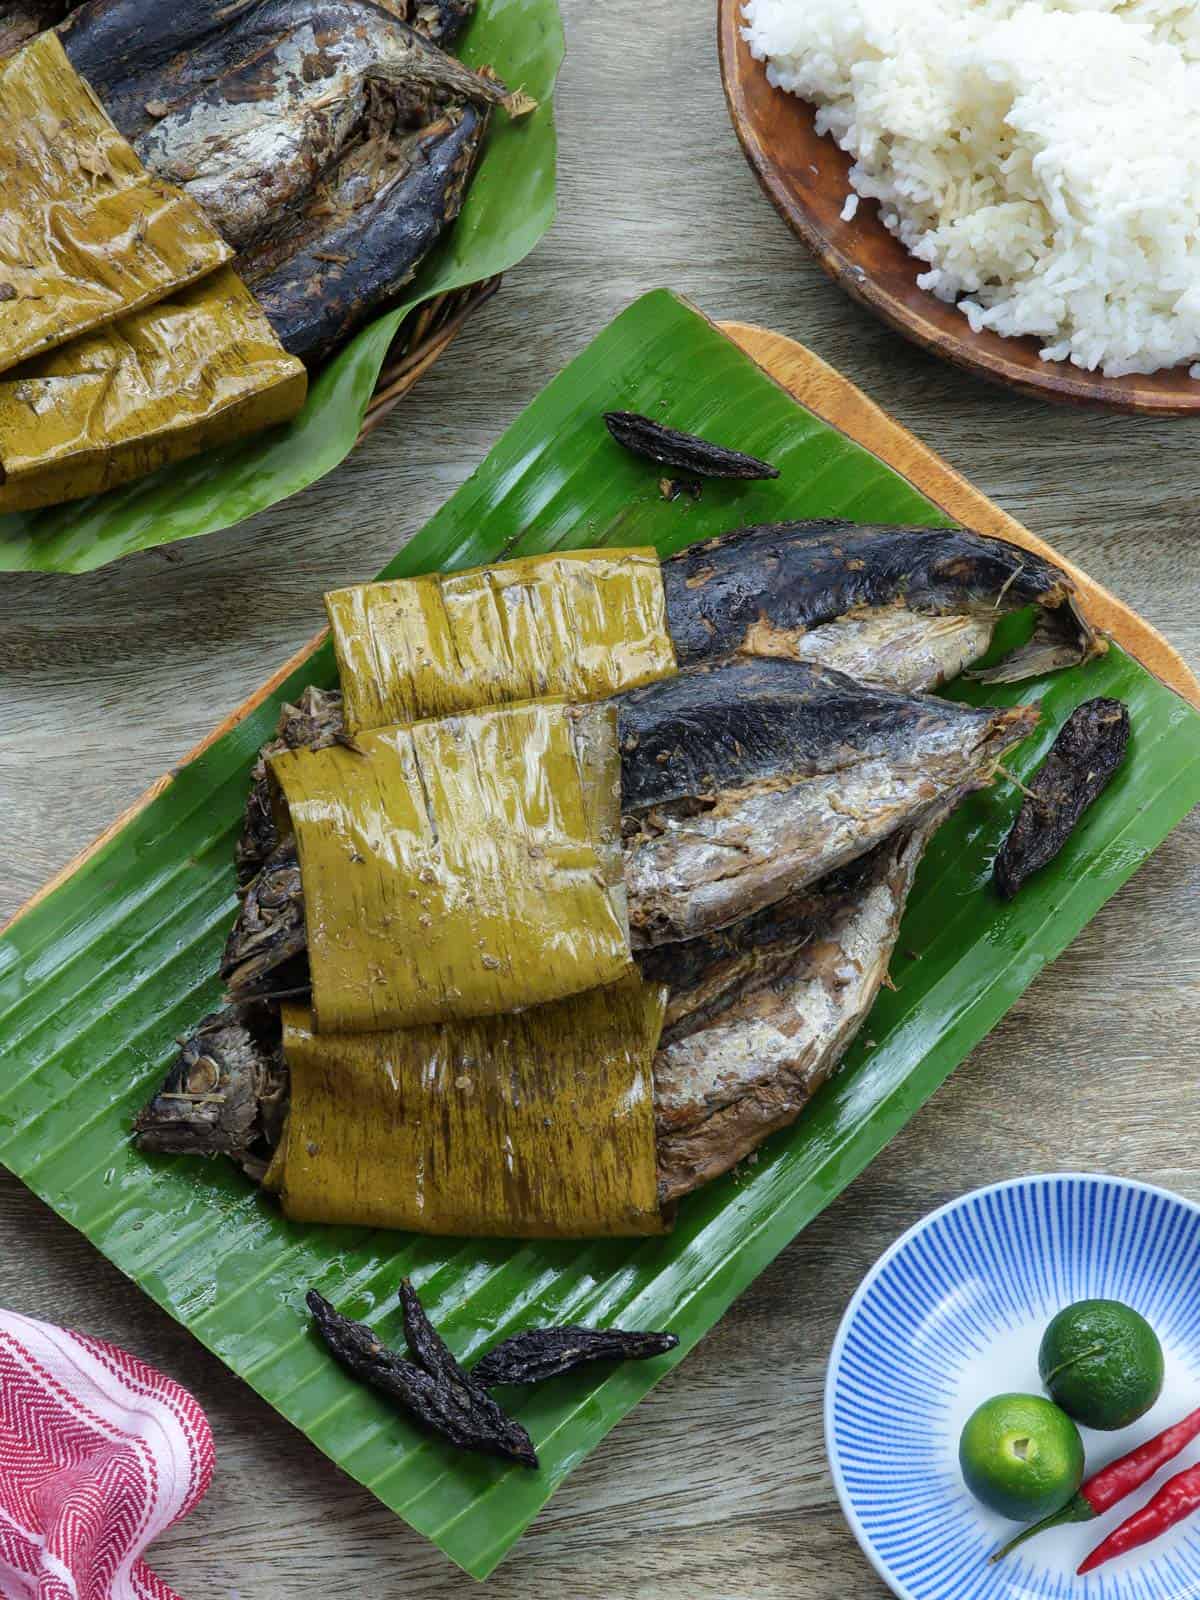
[(806, 178)]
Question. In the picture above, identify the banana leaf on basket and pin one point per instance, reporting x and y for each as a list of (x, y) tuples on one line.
[(508, 208)]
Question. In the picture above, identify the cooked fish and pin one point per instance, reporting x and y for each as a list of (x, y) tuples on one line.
[(741, 783), (744, 782), (908, 608), (355, 246), (226, 1092), (270, 930), (247, 104), (439, 20), (761, 1015)]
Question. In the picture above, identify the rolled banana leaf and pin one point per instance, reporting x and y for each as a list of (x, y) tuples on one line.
[(581, 626), (191, 373), (539, 1125), (462, 867), (88, 235)]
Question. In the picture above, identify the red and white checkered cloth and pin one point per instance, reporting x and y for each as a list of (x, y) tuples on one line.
[(98, 1454)]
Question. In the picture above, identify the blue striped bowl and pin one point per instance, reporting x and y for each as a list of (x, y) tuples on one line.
[(954, 1313)]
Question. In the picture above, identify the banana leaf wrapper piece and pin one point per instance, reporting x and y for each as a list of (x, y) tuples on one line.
[(581, 626), (538, 1125), (193, 372), (462, 867), (87, 235)]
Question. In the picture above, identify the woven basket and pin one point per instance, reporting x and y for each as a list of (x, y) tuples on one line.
[(430, 330)]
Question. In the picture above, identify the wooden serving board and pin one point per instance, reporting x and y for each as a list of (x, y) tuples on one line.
[(833, 398)]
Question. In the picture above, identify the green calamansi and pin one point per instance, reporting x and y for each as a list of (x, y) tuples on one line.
[(1102, 1363), (1021, 1456)]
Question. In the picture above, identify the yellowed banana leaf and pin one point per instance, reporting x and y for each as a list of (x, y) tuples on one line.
[(193, 372), (582, 626), (539, 1125), (456, 868), (86, 234)]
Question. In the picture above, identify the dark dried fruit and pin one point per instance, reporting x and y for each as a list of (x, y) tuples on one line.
[(684, 451), (1090, 747), (438, 1394), (543, 1353)]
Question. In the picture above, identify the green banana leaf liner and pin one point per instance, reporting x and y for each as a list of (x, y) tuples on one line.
[(98, 978), (508, 208)]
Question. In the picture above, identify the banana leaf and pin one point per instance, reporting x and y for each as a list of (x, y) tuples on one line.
[(97, 979), (515, 907), (583, 627), (197, 369), (534, 1125), (89, 235), (508, 208)]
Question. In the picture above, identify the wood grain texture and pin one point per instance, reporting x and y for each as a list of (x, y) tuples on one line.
[(716, 1486), (807, 180)]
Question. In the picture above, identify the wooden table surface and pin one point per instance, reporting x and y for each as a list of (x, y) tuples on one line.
[(717, 1484)]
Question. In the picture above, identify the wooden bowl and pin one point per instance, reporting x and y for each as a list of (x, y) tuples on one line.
[(807, 179)]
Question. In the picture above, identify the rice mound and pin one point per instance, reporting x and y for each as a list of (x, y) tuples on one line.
[(1042, 156)]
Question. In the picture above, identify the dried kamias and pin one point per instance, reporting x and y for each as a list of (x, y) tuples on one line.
[(668, 447), (1082, 762), (542, 1353), (432, 1388), (445, 1398)]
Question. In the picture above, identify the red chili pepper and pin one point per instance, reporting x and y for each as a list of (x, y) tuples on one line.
[(1112, 1483), (1177, 1499)]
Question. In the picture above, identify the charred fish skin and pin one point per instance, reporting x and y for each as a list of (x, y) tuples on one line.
[(343, 269), (777, 589), (731, 1072), (25, 19), (744, 782), (269, 931), (443, 21), (140, 54)]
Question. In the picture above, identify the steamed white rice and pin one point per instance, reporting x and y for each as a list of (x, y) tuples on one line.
[(1042, 156)]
